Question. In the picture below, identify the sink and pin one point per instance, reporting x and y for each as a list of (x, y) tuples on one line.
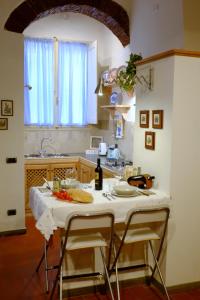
[(56, 154), (38, 155), (64, 154), (32, 155)]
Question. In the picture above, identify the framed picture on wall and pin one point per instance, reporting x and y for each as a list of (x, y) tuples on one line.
[(144, 118), (7, 107), (150, 140), (157, 119), (3, 123), (94, 141)]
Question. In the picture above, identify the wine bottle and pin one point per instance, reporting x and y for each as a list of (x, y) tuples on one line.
[(98, 176)]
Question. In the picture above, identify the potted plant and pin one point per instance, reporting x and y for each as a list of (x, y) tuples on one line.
[(126, 74)]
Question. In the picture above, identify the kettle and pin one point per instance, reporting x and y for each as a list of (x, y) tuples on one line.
[(102, 149)]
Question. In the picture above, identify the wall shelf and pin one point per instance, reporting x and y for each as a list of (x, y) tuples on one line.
[(123, 109)]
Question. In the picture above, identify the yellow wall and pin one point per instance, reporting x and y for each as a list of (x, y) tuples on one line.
[(191, 11)]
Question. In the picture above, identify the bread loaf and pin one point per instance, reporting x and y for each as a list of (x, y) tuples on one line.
[(80, 195)]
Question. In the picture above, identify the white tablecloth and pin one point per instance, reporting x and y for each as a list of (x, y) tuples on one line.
[(51, 213)]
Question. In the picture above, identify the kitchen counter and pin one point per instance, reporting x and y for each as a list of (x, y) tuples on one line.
[(88, 158)]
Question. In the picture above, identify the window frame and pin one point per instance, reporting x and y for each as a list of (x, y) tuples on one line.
[(56, 125)]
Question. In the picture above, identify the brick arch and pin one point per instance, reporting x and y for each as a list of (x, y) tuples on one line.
[(108, 12)]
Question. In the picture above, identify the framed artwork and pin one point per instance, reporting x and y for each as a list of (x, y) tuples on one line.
[(94, 141), (3, 123), (7, 107), (157, 119), (150, 140), (144, 118)]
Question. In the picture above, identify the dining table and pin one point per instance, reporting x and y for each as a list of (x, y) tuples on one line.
[(50, 213)]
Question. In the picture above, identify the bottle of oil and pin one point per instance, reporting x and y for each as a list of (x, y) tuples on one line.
[(98, 176), (56, 184)]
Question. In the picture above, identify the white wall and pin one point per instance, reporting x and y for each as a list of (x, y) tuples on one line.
[(69, 26), (156, 162), (175, 161), (184, 247), (12, 140), (156, 26)]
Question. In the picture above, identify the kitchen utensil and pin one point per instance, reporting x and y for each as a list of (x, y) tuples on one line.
[(48, 186), (108, 196)]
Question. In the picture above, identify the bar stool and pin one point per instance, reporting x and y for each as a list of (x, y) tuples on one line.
[(139, 228), (72, 240)]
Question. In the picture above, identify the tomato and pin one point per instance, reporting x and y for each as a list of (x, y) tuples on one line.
[(63, 195)]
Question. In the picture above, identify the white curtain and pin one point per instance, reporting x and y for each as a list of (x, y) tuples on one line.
[(39, 74), (72, 83)]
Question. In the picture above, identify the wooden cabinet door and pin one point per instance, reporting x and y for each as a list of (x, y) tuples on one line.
[(34, 177), (59, 169), (107, 174), (85, 173)]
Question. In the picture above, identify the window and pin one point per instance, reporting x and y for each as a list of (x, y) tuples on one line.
[(60, 78)]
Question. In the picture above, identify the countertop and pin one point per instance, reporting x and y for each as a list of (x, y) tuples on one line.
[(91, 158)]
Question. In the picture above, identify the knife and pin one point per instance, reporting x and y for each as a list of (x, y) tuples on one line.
[(48, 186)]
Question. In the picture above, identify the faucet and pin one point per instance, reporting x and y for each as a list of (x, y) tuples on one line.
[(42, 151)]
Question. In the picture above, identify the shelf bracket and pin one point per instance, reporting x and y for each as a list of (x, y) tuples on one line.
[(146, 79)]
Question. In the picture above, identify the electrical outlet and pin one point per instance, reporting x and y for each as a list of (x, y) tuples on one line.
[(11, 160), (11, 212)]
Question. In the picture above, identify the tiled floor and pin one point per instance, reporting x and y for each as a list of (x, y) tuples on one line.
[(18, 279)]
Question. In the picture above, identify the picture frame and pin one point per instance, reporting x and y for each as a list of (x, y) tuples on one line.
[(157, 119), (3, 123), (144, 118), (94, 141), (150, 140), (7, 107)]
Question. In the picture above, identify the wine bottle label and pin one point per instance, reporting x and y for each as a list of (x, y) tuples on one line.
[(56, 185), (96, 176)]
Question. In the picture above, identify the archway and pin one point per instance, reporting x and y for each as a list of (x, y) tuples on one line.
[(108, 12)]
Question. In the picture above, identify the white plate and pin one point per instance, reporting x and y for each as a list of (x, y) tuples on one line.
[(135, 194), (124, 189)]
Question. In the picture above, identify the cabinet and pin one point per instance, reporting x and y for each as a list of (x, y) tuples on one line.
[(87, 172), (35, 172)]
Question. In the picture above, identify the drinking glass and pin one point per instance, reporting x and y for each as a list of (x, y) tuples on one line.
[(71, 174), (120, 171)]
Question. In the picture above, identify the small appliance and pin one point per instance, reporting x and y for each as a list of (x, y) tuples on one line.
[(102, 149), (113, 152)]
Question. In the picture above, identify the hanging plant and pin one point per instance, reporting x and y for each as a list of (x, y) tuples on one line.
[(126, 74)]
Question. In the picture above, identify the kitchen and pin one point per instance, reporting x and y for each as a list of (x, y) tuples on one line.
[(175, 91)]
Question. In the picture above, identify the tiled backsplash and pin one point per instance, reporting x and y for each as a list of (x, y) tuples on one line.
[(76, 140)]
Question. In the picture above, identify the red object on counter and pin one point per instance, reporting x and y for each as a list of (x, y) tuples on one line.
[(63, 195)]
